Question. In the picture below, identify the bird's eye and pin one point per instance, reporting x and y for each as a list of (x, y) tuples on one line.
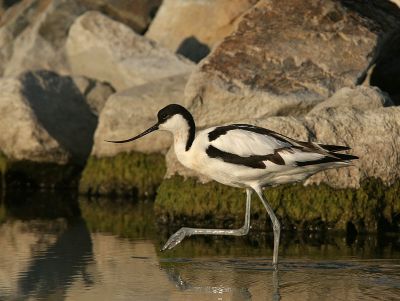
[(164, 116)]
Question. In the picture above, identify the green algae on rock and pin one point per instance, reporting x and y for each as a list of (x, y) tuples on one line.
[(126, 174), (371, 208), (24, 174), (41, 175)]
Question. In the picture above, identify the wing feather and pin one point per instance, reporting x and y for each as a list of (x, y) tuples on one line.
[(246, 143), (254, 146)]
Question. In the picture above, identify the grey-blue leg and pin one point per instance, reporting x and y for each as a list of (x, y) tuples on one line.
[(178, 236), (275, 224)]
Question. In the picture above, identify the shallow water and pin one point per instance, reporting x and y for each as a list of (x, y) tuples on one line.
[(110, 251)]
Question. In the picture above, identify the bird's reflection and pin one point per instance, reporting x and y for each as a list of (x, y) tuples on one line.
[(241, 293), (51, 272), (276, 296)]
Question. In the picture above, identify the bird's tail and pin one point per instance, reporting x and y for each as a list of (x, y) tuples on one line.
[(334, 148)]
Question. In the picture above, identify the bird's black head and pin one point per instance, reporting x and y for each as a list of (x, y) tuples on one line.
[(170, 118), (173, 109)]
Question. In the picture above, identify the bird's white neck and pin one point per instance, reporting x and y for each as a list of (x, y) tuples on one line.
[(183, 130), (180, 141)]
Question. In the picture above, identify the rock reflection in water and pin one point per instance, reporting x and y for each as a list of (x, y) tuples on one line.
[(52, 271), (46, 246)]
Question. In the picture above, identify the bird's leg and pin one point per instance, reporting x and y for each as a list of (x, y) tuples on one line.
[(178, 236), (275, 224)]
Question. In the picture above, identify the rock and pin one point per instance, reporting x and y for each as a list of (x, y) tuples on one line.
[(287, 56), (45, 118), (5, 4), (32, 35), (130, 112), (101, 48), (397, 2), (362, 98), (372, 135), (33, 32), (374, 207), (136, 14), (96, 93), (386, 72), (183, 25)]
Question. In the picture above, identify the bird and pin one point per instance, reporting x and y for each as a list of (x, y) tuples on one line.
[(242, 156)]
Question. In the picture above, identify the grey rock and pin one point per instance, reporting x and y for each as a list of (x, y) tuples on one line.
[(45, 118), (372, 135), (96, 93), (360, 98), (137, 14), (132, 111), (193, 27), (33, 32), (101, 48), (287, 56)]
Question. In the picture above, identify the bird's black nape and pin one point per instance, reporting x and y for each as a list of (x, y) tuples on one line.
[(170, 110)]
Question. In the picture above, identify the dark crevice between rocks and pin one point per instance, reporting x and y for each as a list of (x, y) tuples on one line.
[(193, 49), (386, 72), (9, 3), (382, 15)]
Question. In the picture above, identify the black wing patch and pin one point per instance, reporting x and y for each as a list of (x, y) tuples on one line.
[(253, 161), (222, 130)]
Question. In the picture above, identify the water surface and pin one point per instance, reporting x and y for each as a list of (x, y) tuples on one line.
[(109, 250)]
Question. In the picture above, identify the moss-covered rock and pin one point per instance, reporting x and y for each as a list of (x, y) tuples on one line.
[(126, 174), (25, 174), (371, 208), (40, 175)]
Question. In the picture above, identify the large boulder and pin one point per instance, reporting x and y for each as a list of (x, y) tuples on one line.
[(102, 48), (46, 120), (192, 28), (287, 56), (33, 32)]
